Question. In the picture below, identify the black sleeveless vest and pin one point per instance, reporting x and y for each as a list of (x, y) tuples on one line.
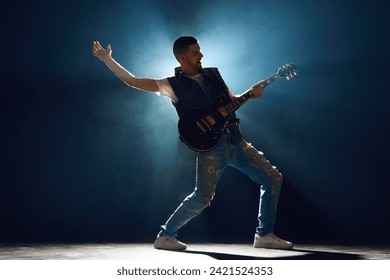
[(191, 95)]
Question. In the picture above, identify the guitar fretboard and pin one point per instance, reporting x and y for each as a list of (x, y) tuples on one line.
[(234, 105)]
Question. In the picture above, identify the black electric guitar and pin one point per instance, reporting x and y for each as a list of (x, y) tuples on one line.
[(201, 129)]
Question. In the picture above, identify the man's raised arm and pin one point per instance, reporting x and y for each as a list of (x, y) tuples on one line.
[(128, 78)]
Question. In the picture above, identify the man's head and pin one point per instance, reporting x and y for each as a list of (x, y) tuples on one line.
[(187, 52)]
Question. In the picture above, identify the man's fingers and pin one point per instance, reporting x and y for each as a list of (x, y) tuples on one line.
[(257, 90), (97, 49), (97, 44)]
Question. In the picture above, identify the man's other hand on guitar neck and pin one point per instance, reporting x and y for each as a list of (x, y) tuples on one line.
[(256, 90)]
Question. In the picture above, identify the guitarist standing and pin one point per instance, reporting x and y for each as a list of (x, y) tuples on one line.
[(193, 87)]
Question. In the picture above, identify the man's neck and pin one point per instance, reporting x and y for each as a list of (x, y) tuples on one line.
[(190, 71)]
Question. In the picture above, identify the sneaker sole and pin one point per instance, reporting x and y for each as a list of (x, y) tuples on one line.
[(272, 246), (170, 249)]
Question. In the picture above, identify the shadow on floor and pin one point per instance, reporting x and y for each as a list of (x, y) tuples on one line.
[(307, 255)]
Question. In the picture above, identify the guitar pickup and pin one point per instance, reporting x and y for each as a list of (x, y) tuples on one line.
[(201, 127)]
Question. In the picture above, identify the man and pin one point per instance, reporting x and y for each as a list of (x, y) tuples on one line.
[(196, 87)]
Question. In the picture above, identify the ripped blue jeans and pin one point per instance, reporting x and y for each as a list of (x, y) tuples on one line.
[(209, 168)]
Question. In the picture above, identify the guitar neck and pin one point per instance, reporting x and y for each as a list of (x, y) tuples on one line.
[(234, 105)]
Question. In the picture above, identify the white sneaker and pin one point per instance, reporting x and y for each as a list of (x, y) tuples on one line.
[(167, 242), (271, 241)]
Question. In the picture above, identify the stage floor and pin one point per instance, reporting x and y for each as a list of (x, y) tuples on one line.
[(201, 252)]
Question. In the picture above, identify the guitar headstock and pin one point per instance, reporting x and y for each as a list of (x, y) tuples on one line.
[(288, 71)]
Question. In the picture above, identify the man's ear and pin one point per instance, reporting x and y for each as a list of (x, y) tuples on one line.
[(182, 59)]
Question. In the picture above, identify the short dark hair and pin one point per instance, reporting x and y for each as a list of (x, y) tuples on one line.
[(181, 44)]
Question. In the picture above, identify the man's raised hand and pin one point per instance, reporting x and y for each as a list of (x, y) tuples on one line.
[(100, 52)]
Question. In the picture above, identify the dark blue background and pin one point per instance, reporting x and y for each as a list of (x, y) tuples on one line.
[(85, 158)]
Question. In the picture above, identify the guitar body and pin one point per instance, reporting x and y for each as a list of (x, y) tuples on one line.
[(201, 129)]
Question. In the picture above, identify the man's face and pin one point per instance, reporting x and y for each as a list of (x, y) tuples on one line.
[(192, 57)]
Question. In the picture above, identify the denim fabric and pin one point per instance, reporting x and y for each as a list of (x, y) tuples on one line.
[(192, 95), (209, 168)]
